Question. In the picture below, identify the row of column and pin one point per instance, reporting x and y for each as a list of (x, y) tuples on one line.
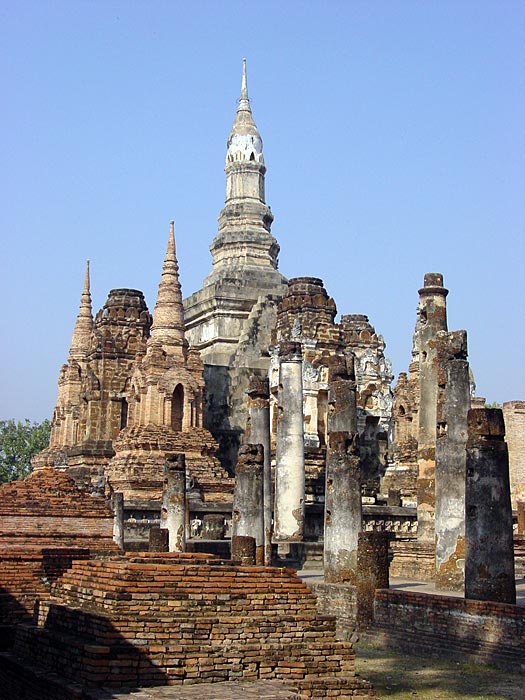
[(463, 489), (471, 476)]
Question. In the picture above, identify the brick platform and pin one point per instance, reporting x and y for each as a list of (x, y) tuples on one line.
[(139, 621)]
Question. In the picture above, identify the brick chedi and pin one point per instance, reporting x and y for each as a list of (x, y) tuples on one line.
[(164, 400), (92, 402), (402, 469), (131, 394), (307, 315)]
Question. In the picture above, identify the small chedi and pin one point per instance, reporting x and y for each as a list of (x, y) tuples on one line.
[(132, 393)]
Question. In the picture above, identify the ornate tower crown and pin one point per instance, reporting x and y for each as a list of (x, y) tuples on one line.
[(244, 143)]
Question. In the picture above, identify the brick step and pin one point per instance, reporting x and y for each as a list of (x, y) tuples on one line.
[(56, 616), (125, 663)]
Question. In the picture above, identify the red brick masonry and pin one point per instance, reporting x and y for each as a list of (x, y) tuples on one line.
[(183, 619), (473, 630)]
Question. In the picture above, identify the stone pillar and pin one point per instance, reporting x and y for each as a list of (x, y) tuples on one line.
[(258, 433), (248, 511), (289, 470), (118, 519), (173, 512), (372, 573), (489, 551), (432, 317), (453, 403), (343, 510), (243, 550), (521, 517), (158, 540)]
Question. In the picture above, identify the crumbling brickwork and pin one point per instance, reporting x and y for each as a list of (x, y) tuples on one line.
[(46, 522), (174, 619)]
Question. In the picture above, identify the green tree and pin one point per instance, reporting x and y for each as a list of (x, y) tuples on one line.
[(18, 443)]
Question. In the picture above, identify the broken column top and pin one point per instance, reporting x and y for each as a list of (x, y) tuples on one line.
[(259, 387), (433, 284), (485, 424), (451, 344), (176, 462), (341, 368), (250, 457), (290, 351)]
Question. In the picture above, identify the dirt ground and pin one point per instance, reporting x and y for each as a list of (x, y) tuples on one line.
[(400, 677)]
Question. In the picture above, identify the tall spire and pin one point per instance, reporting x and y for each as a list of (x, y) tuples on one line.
[(84, 324), (244, 143), (244, 100), (168, 315)]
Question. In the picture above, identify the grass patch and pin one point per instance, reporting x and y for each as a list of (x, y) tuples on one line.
[(406, 677)]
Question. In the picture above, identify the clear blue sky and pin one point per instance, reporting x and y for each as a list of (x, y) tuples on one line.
[(393, 136)]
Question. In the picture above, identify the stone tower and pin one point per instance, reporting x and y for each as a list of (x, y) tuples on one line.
[(229, 320)]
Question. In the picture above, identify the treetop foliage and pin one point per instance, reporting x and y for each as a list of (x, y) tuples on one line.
[(19, 441)]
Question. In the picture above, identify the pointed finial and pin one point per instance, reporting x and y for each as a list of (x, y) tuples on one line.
[(84, 324), (168, 315), (86, 279), (244, 100), (244, 82)]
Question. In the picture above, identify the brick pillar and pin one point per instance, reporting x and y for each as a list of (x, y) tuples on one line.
[(248, 511), (453, 403), (173, 512), (489, 551), (289, 470), (117, 501), (258, 433)]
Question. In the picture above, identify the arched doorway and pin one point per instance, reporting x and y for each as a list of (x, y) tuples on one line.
[(177, 408)]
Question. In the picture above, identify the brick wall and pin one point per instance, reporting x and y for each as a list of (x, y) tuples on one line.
[(479, 631), (514, 415), (340, 600), (48, 510), (46, 522)]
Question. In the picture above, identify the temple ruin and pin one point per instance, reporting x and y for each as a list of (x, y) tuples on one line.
[(203, 453)]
